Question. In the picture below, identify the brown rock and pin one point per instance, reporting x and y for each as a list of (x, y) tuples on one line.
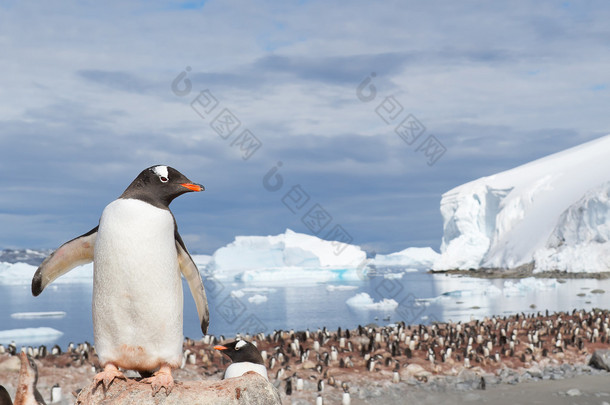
[(251, 389)]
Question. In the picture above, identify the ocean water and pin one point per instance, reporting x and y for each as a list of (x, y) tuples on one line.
[(236, 307)]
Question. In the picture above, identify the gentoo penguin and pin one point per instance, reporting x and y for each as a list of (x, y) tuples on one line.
[(27, 394), (244, 357), (5, 398), (137, 256)]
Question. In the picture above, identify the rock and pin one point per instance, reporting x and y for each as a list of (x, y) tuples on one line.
[(414, 370), (601, 359), (251, 389), (11, 364), (309, 365), (535, 372), (574, 392)]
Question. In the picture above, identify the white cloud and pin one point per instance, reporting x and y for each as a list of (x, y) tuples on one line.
[(87, 85)]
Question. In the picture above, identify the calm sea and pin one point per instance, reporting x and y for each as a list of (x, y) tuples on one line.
[(418, 297)]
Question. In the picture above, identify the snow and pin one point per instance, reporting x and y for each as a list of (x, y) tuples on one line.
[(551, 213), (290, 256), (22, 273), (363, 301), (416, 258)]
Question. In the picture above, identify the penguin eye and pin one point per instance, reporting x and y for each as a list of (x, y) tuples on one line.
[(163, 179)]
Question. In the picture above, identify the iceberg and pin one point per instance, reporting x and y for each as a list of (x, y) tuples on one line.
[(38, 315), (415, 258), (549, 214), (22, 273), (290, 256), (28, 335), (333, 288), (257, 299), (363, 301)]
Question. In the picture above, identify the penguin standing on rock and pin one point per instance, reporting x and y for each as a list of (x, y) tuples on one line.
[(244, 357), (138, 256)]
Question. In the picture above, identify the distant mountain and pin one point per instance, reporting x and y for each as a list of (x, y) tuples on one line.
[(29, 256), (549, 214)]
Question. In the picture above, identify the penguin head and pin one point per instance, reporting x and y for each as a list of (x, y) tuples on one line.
[(159, 185), (240, 351), (29, 370)]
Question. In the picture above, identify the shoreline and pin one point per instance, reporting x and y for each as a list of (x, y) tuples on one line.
[(520, 272), (502, 351)]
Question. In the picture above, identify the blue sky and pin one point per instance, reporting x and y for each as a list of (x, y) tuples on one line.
[(87, 102)]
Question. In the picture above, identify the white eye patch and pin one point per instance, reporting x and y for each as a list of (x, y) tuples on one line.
[(162, 172), (240, 344)]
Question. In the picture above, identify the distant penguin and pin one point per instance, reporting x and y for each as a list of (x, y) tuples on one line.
[(244, 357), (56, 394), (137, 256), (5, 398), (27, 393)]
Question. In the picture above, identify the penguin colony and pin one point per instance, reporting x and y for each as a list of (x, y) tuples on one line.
[(330, 362), (139, 257)]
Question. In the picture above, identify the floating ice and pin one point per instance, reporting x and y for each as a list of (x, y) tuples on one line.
[(257, 299), (332, 288), (22, 273), (35, 315), (27, 335), (365, 302), (415, 258)]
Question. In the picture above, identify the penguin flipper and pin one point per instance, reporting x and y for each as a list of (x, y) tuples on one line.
[(191, 273), (69, 255), (38, 397), (5, 398)]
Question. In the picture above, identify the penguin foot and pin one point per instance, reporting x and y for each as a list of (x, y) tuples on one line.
[(161, 379), (107, 376)]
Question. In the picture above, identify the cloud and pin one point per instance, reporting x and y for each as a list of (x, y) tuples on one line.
[(87, 104)]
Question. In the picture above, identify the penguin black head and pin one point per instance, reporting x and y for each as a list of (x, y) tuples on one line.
[(159, 185), (241, 351)]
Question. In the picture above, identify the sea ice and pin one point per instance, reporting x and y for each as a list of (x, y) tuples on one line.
[(22, 273), (34, 315), (23, 336), (332, 288), (257, 299), (363, 301)]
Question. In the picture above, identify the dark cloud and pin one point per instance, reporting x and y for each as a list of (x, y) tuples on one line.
[(118, 80)]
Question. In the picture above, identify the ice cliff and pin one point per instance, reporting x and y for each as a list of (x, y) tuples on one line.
[(551, 214)]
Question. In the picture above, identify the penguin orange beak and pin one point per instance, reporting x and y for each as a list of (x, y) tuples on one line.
[(193, 187), (219, 347)]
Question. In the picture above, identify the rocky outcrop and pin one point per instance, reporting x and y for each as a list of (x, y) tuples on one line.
[(601, 359), (251, 389)]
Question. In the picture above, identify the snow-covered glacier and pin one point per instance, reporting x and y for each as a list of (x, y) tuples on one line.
[(551, 214), (287, 256)]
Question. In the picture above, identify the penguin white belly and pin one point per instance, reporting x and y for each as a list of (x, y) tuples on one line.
[(240, 368), (137, 287)]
